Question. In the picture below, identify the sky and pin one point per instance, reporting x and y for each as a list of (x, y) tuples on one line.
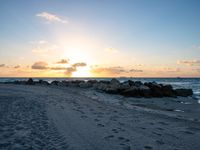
[(100, 38)]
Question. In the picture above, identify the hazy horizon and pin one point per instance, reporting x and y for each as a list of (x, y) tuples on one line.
[(91, 38)]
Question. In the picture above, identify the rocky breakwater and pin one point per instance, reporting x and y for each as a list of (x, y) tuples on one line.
[(128, 88)]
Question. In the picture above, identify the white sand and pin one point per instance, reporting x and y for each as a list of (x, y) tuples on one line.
[(50, 117)]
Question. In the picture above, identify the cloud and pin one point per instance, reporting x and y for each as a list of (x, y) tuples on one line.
[(63, 61), (39, 42), (108, 70), (70, 70), (169, 69), (189, 62), (16, 67), (51, 17), (2, 65), (79, 64), (135, 70), (40, 65), (57, 68)]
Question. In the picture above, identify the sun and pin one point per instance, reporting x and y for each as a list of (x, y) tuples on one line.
[(82, 72)]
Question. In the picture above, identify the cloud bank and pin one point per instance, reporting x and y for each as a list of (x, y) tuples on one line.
[(189, 62)]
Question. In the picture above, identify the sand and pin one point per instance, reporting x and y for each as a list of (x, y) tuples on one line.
[(52, 117)]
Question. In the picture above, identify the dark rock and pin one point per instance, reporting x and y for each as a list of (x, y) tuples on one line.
[(85, 84), (123, 86), (62, 83), (131, 83), (156, 89), (133, 91), (43, 82), (92, 81), (30, 81), (145, 91), (54, 82), (168, 90), (184, 92), (138, 83), (114, 82), (100, 86), (104, 81)]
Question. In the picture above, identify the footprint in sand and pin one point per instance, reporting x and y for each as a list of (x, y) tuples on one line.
[(84, 116), (109, 137), (163, 123), (100, 125), (115, 130), (148, 147), (160, 142), (96, 120)]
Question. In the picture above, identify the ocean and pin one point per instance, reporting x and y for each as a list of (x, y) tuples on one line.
[(193, 83)]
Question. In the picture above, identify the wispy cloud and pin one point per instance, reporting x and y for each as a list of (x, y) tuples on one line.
[(63, 61), (2, 65), (189, 62), (79, 64), (51, 17), (16, 67), (135, 70)]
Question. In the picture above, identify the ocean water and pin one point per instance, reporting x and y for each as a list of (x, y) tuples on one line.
[(193, 83)]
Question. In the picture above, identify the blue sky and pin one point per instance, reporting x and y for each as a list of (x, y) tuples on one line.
[(157, 33)]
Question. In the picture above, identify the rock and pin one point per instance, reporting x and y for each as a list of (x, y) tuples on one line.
[(156, 89), (131, 83), (104, 81), (54, 82), (111, 90), (62, 83), (168, 91), (123, 86), (183, 92), (114, 82), (43, 82), (133, 91), (100, 86), (30, 81), (138, 83), (85, 85), (144, 91), (92, 81)]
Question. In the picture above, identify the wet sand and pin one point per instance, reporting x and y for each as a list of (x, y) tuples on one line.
[(52, 117)]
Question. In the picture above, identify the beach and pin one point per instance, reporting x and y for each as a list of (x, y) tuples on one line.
[(56, 117)]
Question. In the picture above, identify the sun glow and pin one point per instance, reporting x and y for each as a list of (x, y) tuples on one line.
[(82, 72)]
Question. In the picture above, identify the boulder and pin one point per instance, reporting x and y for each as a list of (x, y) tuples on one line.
[(85, 84), (114, 82), (168, 91), (30, 81), (123, 86), (43, 82), (62, 83), (144, 91), (156, 89), (133, 91), (183, 92), (100, 86), (138, 83), (54, 82)]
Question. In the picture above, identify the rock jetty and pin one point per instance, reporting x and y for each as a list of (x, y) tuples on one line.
[(128, 88)]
